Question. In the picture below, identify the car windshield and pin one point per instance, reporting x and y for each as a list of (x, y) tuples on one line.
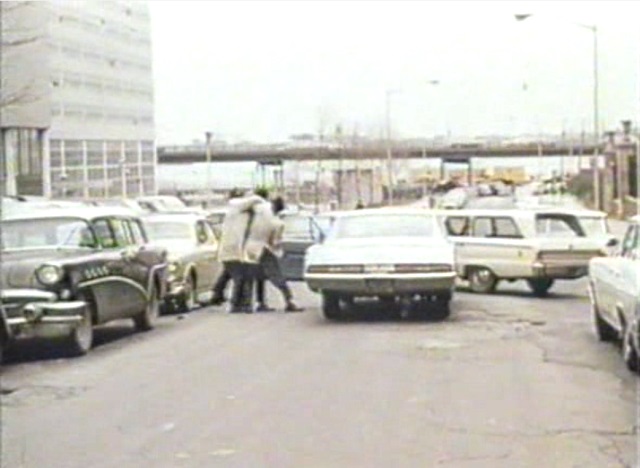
[(168, 230), (50, 232), (388, 225), (594, 226)]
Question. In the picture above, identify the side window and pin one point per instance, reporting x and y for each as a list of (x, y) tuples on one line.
[(506, 227), (482, 227), (630, 245), (136, 232), (457, 226), (104, 233), (121, 234)]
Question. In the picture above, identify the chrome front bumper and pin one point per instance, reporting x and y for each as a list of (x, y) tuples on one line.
[(176, 287), (32, 312)]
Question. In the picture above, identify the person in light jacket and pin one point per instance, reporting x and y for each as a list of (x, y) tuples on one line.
[(233, 253)]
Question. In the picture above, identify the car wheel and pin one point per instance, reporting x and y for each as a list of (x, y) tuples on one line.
[(540, 286), (331, 306), (189, 299), (147, 318), (80, 339), (629, 351), (604, 331), (442, 307), (482, 280)]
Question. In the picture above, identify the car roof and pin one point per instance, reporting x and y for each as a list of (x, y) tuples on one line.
[(521, 213), (383, 211), (173, 216), (83, 212)]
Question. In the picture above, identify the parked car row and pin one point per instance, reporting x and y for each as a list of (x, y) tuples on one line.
[(68, 266)]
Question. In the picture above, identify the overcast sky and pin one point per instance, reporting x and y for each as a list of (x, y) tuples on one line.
[(264, 70)]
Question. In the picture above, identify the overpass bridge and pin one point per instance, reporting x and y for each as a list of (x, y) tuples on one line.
[(276, 154)]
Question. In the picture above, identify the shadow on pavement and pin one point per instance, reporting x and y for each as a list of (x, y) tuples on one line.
[(40, 349), (371, 311)]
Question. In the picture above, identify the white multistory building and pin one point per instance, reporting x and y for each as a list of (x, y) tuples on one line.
[(76, 99)]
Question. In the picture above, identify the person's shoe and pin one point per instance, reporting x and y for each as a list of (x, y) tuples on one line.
[(217, 300), (291, 307), (264, 308)]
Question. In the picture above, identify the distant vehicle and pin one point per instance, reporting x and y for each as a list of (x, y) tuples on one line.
[(390, 254), (162, 203), (537, 246), (192, 250), (66, 270), (614, 292)]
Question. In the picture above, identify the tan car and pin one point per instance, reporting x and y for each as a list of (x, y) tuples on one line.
[(192, 250)]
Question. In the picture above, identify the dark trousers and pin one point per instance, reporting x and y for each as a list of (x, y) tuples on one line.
[(243, 275), (269, 269)]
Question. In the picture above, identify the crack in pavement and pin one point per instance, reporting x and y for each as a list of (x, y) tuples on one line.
[(544, 433), (546, 358), (446, 461), (612, 450)]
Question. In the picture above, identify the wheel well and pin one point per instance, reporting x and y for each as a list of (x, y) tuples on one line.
[(90, 299), (157, 286)]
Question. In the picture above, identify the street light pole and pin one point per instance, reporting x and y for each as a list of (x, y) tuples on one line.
[(596, 117), (389, 150), (208, 136)]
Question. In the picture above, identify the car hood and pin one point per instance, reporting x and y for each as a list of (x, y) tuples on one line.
[(175, 248), (18, 266), (381, 251)]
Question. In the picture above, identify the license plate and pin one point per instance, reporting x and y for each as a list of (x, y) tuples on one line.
[(380, 284)]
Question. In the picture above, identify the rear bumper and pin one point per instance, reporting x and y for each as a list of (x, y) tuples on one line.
[(375, 285), (558, 270)]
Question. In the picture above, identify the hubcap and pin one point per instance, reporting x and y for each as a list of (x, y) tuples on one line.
[(483, 276)]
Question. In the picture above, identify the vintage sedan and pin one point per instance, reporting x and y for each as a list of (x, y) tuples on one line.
[(614, 291), (66, 270), (390, 254), (192, 250)]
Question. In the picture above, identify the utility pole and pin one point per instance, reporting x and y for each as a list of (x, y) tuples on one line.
[(208, 136)]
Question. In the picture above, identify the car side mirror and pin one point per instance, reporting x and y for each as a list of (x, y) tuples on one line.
[(613, 242)]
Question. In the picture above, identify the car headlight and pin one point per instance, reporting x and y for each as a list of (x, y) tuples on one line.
[(174, 267), (49, 275)]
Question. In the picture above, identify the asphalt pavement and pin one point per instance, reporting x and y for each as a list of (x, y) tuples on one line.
[(508, 381)]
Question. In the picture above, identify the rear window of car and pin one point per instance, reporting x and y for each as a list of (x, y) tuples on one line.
[(558, 225), (297, 227), (383, 226)]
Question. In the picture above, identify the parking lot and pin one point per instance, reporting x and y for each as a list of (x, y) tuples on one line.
[(508, 380)]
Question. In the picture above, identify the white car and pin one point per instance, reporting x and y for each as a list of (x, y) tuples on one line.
[(390, 254), (614, 291)]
